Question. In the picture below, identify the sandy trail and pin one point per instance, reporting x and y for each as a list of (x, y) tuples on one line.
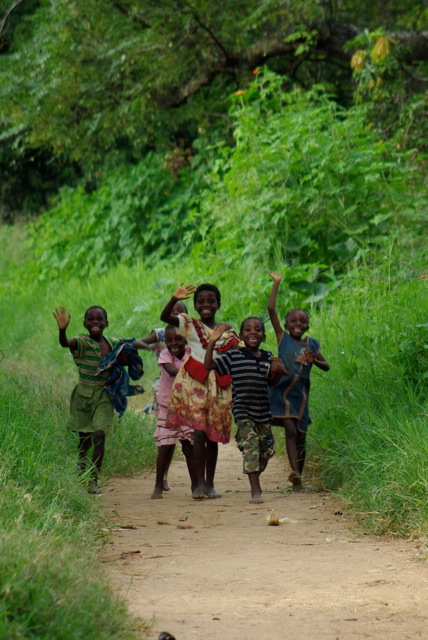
[(214, 570)]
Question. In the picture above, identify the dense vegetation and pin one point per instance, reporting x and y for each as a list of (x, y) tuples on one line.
[(152, 143)]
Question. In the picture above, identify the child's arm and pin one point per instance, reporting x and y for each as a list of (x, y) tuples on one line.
[(276, 277), (151, 339), (181, 293), (140, 344), (170, 368), (217, 332), (318, 360), (63, 320)]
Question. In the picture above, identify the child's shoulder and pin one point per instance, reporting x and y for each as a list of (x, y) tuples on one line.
[(164, 356)]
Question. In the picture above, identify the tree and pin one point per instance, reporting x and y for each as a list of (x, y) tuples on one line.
[(92, 84)]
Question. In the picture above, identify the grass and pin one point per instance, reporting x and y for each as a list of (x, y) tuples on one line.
[(51, 585), (369, 438)]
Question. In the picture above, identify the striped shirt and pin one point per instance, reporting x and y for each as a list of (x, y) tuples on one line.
[(87, 356), (249, 383)]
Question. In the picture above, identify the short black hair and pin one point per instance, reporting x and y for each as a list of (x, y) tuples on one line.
[(95, 306), (301, 311), (253, 318), (182, 304), (170, 327), (207, 287)]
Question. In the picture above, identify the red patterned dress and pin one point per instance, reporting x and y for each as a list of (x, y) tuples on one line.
[(202, 399)]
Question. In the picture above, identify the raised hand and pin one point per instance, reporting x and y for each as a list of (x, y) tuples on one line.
[(184, 291), (62, 317), (217, 332), (276, 277)]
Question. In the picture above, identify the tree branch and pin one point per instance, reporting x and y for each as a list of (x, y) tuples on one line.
[(207, 29), (330, 41), (7, 14)]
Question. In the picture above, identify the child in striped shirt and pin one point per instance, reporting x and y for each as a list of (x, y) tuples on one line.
[(251, 369), (91, 410)]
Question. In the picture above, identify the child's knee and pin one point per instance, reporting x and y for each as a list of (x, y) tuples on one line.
[(98, 437)]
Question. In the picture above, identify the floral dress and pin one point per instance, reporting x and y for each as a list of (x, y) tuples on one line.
[(200, 398)]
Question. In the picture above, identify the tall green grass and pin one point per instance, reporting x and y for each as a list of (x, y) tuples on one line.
[(369, 441), (51, 585)]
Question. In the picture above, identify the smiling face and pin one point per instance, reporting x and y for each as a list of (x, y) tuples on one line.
[(297, 323), (175, 343), (178, 308), (252, 333), (206, 305), (95, 322)]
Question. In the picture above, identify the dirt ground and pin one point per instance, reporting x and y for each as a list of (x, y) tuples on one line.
[(214, 569)]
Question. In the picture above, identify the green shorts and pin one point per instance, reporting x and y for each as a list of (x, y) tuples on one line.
[(90, 409)]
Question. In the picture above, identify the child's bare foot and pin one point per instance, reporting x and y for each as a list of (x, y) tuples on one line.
[(94, 488), (295, 479), (166, 485), (256, 498), (198, 493), (157, 493), (211, 493)]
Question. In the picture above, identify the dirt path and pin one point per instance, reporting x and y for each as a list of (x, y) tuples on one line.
[(214, 570)]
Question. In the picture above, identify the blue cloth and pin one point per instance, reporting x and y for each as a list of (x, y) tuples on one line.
[(117, 384), (289, 398)]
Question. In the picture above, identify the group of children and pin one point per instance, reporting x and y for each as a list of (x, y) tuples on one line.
[(208, 373)]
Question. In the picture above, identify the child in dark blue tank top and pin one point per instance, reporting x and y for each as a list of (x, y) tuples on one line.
[(290, 396)]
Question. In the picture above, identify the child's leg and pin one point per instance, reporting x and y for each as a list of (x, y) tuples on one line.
[(292, 453), (211, 464), (168, 464), (256, 490), (98, 438), (247, 439), (301, 449), (85, 443), (165, 452), (190, 461), (199, 455), (266, 445)]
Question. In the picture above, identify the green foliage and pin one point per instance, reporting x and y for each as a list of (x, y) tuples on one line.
[(392, 88), (48, 592), (109, 81), (307, 183), (137, 211), (368, 436), (50, 582), (413, 353)]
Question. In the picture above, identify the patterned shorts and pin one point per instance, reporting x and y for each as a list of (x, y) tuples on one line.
[(256, 442)]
